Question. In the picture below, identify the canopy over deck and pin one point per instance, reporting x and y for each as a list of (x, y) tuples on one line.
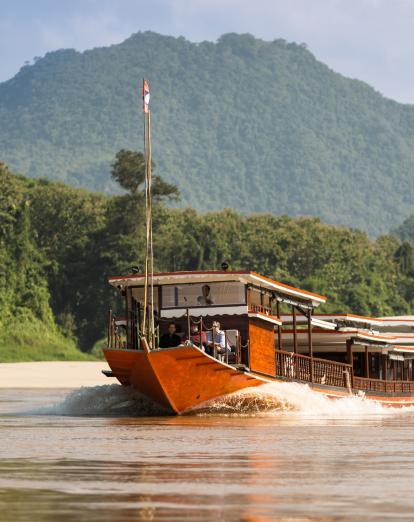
[(398, 320), (330, 321), (399, 323), (404, 349), (245, 277), (335, 341), (403, 338)]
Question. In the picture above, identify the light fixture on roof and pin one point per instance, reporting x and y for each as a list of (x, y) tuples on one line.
[(135, 269), (224, 266)]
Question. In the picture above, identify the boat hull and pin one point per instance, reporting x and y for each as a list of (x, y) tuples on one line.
[(177, 378), (181, 378)]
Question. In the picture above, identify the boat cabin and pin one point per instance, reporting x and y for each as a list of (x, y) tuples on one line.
[(247, 306), (267, 328)]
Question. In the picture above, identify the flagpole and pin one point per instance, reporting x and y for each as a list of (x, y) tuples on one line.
[(151, 248), (148, 323), (144, 112)]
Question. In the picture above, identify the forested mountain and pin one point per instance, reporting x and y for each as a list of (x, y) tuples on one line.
[(241, 123), (58, 244)]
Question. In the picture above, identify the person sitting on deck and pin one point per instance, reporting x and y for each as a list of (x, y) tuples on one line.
[(197, 337), (216, 341), (205, 299), (170, 339)]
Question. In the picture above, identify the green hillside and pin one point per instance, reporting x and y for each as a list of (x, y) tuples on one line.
[(241, 123), (28, 329)]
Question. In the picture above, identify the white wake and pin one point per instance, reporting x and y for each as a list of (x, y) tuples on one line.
[(110, 400), (276, 398), (268, 399)]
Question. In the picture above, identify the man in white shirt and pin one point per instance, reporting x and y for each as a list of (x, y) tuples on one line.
[(216, 340)]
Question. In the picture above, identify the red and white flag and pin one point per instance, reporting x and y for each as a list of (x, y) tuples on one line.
[(145, 95)]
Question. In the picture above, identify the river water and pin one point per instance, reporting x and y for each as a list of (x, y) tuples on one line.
[(281, 453)]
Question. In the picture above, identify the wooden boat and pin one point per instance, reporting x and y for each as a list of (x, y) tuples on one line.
[(273, 334)]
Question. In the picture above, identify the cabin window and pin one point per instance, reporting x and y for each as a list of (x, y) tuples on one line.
[(202, 295)]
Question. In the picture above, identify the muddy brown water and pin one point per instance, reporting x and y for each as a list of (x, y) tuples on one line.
[(283, 453)]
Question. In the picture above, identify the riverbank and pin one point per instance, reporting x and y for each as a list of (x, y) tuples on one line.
[(22, 340), (53, 374)]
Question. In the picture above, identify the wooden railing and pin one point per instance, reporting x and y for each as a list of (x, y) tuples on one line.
[(361, 383), (321, 371), (260, 308), (307, 369)]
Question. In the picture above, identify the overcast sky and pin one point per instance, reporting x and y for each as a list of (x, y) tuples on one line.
[(372, 40)]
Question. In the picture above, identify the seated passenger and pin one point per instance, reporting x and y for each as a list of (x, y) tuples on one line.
[(216, 338), (170, 339), (205, 299), (197, 337)]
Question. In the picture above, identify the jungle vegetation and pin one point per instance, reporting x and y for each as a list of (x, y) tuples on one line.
[(58, 245)]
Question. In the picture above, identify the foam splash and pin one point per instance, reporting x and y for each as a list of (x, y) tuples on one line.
[(114, 400), (294, 398), (110, 400)]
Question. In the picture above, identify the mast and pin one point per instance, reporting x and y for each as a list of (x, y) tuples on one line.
[(148, 328)]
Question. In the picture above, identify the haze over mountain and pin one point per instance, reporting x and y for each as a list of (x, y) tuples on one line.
[(243, 123)]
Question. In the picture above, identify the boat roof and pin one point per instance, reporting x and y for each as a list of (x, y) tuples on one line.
[(406, 349), (324, 336), (217, 276), (403, 338), (398, 320), (339, 319)]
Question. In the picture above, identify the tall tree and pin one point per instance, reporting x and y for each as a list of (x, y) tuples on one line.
[(128, 171)]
